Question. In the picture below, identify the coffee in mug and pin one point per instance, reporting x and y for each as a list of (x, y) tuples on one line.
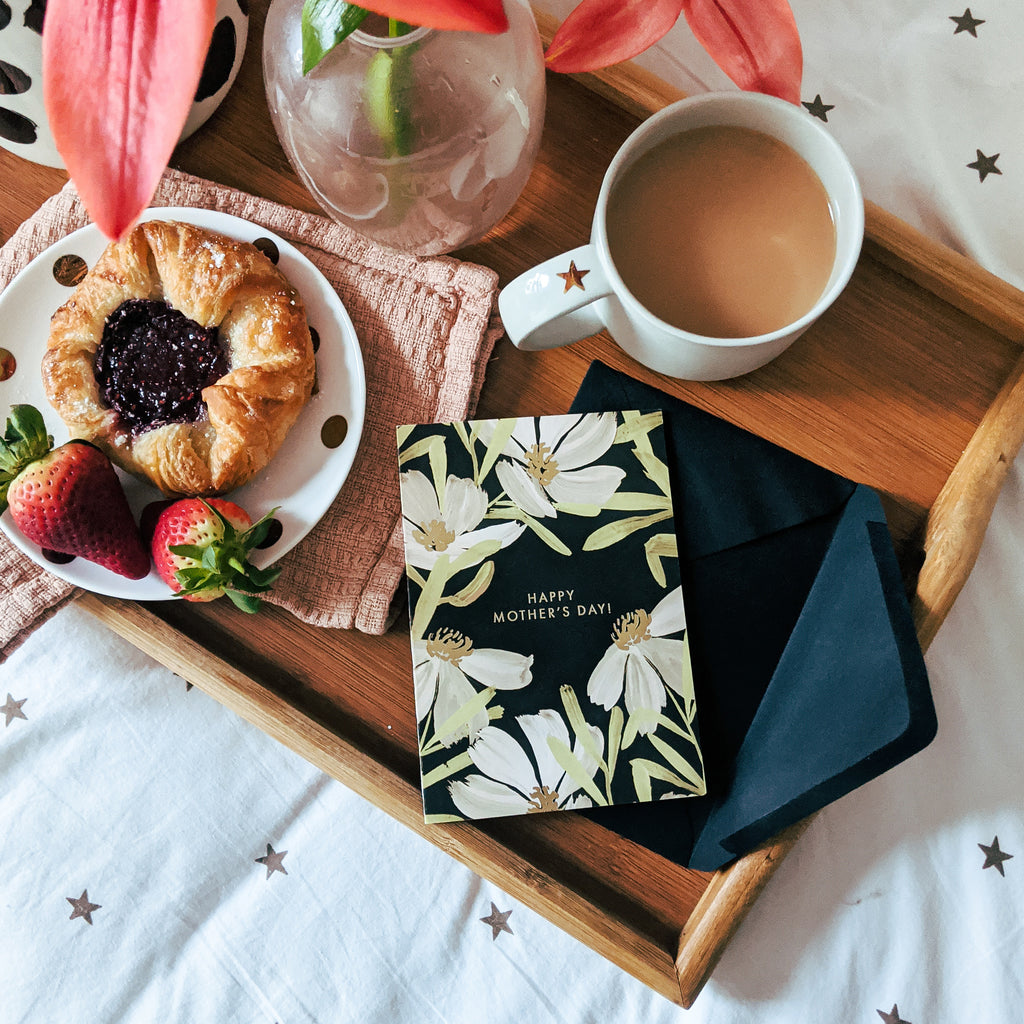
[(726, 224), (722, 231)]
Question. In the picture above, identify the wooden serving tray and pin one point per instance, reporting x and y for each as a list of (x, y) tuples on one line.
[(911, 384)]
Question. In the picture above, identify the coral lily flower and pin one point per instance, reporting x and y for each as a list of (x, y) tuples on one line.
[(450, 15), (119, 77), (755, 42)]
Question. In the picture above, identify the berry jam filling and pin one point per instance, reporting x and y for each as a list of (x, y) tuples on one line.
[(153, 364)]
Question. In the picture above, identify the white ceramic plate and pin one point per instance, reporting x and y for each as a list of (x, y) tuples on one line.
[(305, 475)]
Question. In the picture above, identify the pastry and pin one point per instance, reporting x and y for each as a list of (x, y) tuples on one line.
[(184, 355)]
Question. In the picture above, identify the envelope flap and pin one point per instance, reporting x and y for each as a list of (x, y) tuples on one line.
[(848, 699), (731, 486)]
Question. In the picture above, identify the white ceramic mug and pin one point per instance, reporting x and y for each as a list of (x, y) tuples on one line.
[(543, 308)]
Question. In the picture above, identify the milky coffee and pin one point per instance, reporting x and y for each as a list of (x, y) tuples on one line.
[(722, 231)]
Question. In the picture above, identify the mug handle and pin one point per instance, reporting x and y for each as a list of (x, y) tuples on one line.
[(552, 304)]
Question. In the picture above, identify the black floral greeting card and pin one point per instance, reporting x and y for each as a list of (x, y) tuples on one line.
[(550, 651)]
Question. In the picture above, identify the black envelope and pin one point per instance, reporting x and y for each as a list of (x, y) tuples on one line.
[(810, 679)]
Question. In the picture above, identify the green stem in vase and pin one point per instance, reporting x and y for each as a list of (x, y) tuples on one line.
[(388, 84), (388, 89)]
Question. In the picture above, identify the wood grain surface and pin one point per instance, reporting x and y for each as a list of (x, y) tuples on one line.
[(889, 388)]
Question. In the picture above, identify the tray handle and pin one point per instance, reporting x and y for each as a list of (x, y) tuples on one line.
[(960, 515)]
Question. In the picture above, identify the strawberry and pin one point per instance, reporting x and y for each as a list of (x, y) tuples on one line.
[(67, 499), (201, 548)]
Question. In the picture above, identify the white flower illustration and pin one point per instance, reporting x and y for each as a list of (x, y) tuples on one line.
[(448, 526), (642, 661), (444, 665), (551, 459), (512, 783)]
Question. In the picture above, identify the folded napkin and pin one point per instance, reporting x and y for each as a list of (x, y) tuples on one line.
[(809, 676), (426, 328)]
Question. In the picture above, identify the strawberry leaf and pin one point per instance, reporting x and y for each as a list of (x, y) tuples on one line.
[(25, 440), (224, 564), (246, 602), (118, 84), (196, 551), (257, 533), (192, 577), (262, 579)]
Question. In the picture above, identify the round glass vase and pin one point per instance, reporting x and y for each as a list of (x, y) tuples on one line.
[(421, 142)]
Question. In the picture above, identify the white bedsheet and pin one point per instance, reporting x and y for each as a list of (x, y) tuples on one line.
[(161, 860)]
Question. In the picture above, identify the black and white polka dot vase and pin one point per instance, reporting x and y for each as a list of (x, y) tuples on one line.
[(23, 127)]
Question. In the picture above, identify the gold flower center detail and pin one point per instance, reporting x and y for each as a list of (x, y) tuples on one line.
[(631, 629), (450, 645), (542, 799), (434, 536), (540, 465)]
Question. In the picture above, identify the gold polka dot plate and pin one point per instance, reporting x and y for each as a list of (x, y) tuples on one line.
[(302, 480)]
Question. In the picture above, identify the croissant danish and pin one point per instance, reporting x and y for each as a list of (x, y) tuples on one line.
[(185, 355)]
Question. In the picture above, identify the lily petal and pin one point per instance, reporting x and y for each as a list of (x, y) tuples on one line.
[(419, 499), (669, 614), (591, 486), (500, 757), (119, 77), (608, 678), (480, 797), (464, 504), (504, 670), (524, 437), (503, 533), (537, 728), (669, 658), (524, 490), (450, 15), (586, 442), (598, 33), (454, 691), (755, 42), (644, 690), (425, 677)]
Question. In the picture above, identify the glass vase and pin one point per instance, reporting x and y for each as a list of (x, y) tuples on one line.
[(421, 142)]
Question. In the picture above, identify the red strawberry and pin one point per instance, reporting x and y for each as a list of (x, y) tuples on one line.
[(67, 499), (201, 549)]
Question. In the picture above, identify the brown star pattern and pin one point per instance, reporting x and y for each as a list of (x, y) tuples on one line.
[(966, 22), (498, 920), (272, 860), (573, 277), (985, 165), (82, 907), (12, 710), (994, 857), (818, 108), (893, 1016)]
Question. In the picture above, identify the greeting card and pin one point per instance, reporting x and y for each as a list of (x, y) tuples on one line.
[(550, 651)]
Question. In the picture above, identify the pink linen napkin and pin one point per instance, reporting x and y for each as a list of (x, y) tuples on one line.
[(426, 328)]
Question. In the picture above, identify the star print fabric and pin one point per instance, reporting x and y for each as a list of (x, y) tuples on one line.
[(163, 860)]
